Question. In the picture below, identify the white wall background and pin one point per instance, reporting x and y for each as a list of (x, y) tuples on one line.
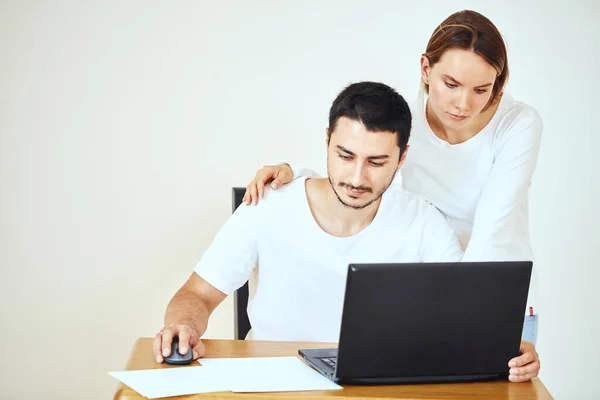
[(124, 125)]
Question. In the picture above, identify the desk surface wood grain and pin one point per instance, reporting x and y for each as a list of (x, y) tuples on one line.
[(141, 357)]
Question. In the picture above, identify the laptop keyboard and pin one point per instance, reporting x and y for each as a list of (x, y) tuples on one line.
[(332, 361)]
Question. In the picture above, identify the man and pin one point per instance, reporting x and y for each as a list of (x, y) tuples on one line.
[(299, 240)]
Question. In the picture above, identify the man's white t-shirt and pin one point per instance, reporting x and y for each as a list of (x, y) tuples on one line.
[(299, 270)]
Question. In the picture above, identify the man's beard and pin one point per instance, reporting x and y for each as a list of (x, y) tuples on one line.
[(362, 188)]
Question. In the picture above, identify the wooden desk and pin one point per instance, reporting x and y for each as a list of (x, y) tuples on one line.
[(142, 358)]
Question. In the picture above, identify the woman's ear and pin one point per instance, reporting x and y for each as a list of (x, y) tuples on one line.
[(425, 69)]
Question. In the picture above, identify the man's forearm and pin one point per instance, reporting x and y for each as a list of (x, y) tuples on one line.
[(187, 308)]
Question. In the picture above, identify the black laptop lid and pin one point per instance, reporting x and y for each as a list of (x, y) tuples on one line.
[(434, 319)]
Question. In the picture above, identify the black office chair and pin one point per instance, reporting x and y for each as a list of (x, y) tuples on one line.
[(240, 297)]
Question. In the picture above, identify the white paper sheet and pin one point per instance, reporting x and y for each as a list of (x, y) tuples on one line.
[(164, 382), (269, 374), (255, 374)]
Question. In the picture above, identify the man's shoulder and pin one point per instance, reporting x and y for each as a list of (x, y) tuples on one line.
[(404, 200), (413, 209), (269, 214), (288, 195), (425, 223)]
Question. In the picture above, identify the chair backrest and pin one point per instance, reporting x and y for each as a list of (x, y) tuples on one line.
[(240, 297)]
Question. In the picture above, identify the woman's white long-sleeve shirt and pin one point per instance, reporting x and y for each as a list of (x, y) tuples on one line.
[(481, 186)]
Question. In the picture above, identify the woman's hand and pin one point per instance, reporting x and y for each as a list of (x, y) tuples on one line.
[(525, 367), (277, 175)]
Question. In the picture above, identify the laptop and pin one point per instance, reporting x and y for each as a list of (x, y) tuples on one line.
[(427, 323)]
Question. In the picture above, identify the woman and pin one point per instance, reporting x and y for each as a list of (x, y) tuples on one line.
[(473, 150)]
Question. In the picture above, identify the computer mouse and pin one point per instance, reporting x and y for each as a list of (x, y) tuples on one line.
[(177, 358)]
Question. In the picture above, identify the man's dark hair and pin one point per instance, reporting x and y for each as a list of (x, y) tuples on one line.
[(377, 106)]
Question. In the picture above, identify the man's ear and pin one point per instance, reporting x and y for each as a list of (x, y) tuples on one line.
[(402, 157), (327, 136)]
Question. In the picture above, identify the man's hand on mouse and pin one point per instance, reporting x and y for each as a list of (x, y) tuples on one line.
[(188, 337)]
